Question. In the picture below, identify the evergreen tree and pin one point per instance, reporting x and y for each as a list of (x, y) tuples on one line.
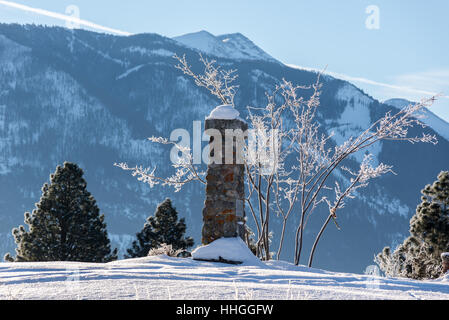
[(66, 224), (418, 256), (162, 228)]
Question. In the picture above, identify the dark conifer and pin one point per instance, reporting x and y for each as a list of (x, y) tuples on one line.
[(418, 256), (162, 228), (66, 224)]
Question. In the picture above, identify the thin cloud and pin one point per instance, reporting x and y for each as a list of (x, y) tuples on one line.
[(63, 17), (371, 82)]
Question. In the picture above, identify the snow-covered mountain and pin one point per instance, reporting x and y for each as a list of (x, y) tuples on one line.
[(431, 119), (231, 46), (90, 98)]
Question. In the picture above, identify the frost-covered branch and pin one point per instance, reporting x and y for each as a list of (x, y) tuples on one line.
[(316, 163), (303, 184), (185, 170), (219, 82), (358, 180)]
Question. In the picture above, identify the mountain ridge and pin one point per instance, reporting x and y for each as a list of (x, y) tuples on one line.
[(231, 46)]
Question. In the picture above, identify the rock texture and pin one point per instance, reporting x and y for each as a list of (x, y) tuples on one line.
[(224, 207), (445, 264)]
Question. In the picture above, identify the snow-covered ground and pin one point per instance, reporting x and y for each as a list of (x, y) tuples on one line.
[(162, 277)]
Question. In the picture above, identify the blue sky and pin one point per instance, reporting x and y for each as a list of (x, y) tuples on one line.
[(407, 56)]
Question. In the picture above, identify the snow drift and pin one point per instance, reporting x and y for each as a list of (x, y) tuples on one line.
[(229, 249), (162, 277)]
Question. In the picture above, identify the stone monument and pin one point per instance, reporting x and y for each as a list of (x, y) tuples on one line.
[(445, 262), (223, 213)]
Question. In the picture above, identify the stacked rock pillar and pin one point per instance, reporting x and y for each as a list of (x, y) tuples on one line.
[(223, 213), (445, 262)]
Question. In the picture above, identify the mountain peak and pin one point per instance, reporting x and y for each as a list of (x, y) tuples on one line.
[(231, 46), (398, 102)]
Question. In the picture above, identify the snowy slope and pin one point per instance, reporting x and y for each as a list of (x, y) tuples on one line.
[(432, 120), (355, 117), (231, 46), (162, 277)]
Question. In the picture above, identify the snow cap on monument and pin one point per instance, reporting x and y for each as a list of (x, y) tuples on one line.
[(224, 112)]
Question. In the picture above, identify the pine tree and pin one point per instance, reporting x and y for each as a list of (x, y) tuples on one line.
[(431, 221), (418, 256), (66, 224), (162, 228)]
